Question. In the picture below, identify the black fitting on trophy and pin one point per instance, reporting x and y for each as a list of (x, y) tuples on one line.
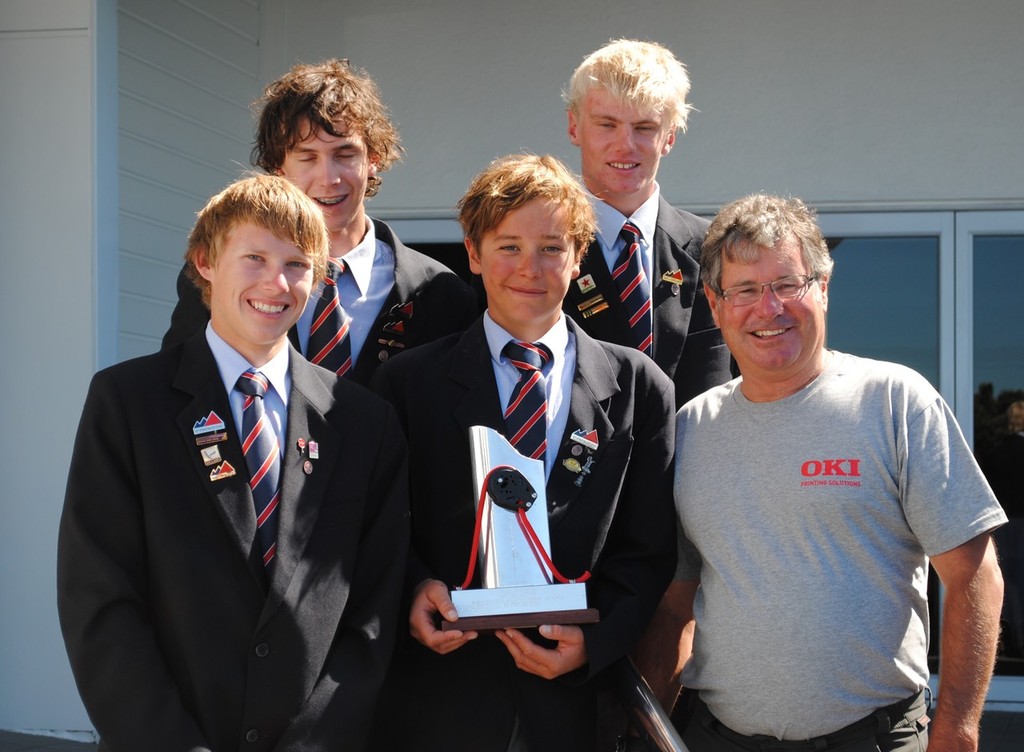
[(510, 489)]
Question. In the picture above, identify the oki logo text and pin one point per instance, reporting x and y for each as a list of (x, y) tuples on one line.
[(831, 472)]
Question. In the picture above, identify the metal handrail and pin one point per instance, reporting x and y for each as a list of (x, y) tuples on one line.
[(643, 710)]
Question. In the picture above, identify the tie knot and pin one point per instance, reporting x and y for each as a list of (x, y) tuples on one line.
[(253, 383), (527, 356), (630, 233), (335, 267)]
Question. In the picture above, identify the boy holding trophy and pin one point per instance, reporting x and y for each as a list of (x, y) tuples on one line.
[(599, 418)]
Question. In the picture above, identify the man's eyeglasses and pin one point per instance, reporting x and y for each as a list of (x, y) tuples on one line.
[(785, 288)]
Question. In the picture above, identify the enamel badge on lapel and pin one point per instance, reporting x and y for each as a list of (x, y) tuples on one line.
[(593, 305), (209, 430), (222, 471), (210, 455), (311, 450), (586, 438), (573, 466), (583, 439), (208, 424), (312, 447), (313, 453), (674, 278), (211, 438), (393, 329), (586, 283)]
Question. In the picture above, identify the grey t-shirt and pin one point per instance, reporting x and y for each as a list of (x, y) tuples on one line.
[(813, 516)]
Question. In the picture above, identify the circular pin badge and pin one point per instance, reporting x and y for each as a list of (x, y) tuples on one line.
[(577, 450), (675, 291), (307, 467), (382, 355)]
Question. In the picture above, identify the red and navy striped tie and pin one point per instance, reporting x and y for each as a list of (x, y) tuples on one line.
[(329, 344), (263, 458), (526, 415), (634, 289)]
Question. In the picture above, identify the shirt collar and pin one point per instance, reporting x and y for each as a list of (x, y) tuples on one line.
[(359, 261), (610, 219), (556, 338), (231, 365)]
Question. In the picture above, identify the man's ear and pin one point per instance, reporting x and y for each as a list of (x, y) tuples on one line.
[(712, 303), (474, 255), (578, 254), (202, 262), (669, 143), (572, 129)]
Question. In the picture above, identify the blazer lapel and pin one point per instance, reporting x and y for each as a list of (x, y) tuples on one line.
[(587, 429), (472, 369), (397, 324), (305, 471), (209, 431), (293, 337), (593, 299), (673, 287)]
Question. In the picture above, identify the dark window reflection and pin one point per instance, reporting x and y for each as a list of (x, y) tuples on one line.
[(452, 255), (999, 417), (883, 300)]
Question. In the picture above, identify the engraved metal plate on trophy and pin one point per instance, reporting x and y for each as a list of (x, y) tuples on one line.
[(519, 586)]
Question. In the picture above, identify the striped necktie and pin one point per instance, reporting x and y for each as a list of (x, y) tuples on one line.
[(329, 344), (263, 458), (526, 415), (634, 289)]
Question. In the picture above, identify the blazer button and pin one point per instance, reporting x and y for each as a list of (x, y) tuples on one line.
[(252, 735), (262, 650)]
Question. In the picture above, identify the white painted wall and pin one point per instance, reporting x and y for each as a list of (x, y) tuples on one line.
[(57, 242), (188, 74), (847, 104)]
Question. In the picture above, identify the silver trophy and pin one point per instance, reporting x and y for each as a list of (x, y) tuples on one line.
[(521, 588)]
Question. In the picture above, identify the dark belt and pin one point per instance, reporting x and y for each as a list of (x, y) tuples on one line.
[(882, 721)]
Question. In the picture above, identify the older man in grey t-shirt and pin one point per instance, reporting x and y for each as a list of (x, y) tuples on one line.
[(816, 488)]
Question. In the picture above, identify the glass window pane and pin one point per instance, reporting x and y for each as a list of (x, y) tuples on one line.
[(999, 416), (883, 300), (452, 255)]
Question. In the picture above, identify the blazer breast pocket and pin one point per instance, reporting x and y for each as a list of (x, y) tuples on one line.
[(612, 463)]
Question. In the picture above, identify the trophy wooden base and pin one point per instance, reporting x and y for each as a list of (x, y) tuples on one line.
[(520, 621)]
